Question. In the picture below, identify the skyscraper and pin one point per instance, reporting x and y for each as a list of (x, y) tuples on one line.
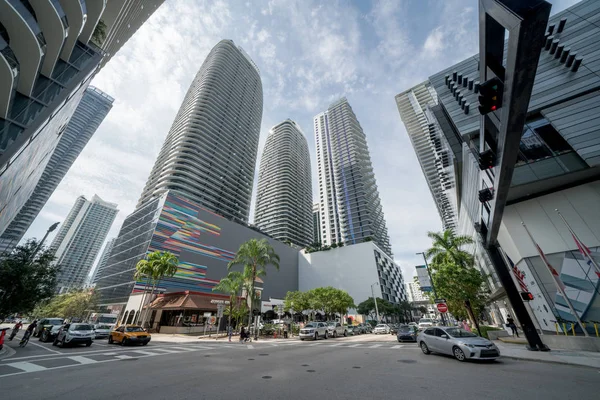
[(79, 239), (416, 107), (209, 155), (103, 259), (316, 223), (284, 198), (90, 113), (350, 206)]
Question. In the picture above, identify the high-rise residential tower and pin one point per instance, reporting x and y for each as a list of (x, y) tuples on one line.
[(80, 238), (316, 223), (90, 113), (284, 198), (351, 210), (103, 259), (209, 155)]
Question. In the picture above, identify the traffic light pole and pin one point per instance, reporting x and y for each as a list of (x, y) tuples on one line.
[(432, 285)]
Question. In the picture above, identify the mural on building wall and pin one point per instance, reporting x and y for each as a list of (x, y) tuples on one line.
[(181, 232)]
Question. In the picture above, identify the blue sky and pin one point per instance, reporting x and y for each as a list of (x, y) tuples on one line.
[(309, 53)]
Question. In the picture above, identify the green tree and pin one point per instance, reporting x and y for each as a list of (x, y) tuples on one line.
[(76, 304), (156, 266), (99, 34), (447, 249), (297, 301), (27, 277), (254, 255), (232, 285)]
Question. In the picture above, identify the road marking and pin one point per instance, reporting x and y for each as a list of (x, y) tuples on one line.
[(101, 345), (123, 357), (167, 350), (375, 346), (144, 352), (27, 366), (108, 354), (398, 346), (273, 345), (250, 346), (182, 348), (45, 348), (336, 345), (83, 360), (354, 345)]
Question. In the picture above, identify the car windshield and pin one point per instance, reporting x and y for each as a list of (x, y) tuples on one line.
[(331, 323), (310, 326), (54, 322), (81, 327), (425, 320), (380, 326), (405, 328), (103, 327), (134, 329), (457, 332), (107, 320)]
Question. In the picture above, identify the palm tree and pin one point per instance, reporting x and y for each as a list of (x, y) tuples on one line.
[(143, 270), (446, 248), (161, 264), (254, 255), (232, 284)]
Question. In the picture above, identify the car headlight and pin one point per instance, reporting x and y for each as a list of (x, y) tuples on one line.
[(468, 345)]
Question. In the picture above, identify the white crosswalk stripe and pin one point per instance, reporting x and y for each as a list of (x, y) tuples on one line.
[(27, 366), (83, 360)]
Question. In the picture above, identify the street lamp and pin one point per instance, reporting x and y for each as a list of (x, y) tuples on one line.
[(375, 300), (39, 246)]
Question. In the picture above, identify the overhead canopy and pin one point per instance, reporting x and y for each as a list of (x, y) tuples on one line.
[(187, 301)]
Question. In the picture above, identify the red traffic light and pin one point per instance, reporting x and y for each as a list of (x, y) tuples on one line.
[(490, 95), (526, 296)]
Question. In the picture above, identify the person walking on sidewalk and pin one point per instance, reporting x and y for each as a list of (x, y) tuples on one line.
[(511, 324), (242, 334), (229, 332)]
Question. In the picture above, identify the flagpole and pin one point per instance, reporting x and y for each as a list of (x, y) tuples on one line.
[(556, 278), (583, 248)]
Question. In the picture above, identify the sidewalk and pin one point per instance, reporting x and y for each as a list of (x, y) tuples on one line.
[(569, 357)]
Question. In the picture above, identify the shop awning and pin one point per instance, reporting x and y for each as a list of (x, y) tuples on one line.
[(185, 300)]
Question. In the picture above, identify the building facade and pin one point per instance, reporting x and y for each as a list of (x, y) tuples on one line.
[(88, 116), (351, 210), (558, 168), (284, 196), (360, 269), (46, 62), (316, 223), (203, 242), (80, 238), (210, 152), (103, 260)]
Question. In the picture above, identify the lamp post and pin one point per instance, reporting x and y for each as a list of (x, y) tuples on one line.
[(432, 285), (39, 246), (375, 300)]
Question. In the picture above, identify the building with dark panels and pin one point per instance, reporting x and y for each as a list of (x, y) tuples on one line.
[(351, 209), (88, 116), (316, 223), (79, 240), (103, 260), (284, 196), (558, 167), (203, 241), (210, 152)]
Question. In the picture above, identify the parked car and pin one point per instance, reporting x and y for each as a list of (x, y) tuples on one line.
[(336, 329), (381, 328), (352, 330), (407, 333), (103, 331), (314, 330), (425, 323), (129, 334), (394, 328), (47, 328), (368, 328), (75, 333), (461, 344), (413, 324)]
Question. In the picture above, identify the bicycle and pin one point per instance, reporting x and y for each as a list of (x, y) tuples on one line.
[(25, 339)]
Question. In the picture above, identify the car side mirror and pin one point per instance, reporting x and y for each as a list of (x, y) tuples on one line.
[(445, 336)]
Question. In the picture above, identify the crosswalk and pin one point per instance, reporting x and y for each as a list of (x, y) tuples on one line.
[(23, 365)]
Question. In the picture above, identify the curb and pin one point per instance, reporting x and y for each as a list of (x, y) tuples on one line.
[(6, 352), (548, 361)]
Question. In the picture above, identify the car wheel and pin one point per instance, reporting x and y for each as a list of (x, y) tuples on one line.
[(124, 342), (326, 335), (345, 333), (458, 353), (145, 343), (424, 348), (44, 337), (334, 334), (302, 339), (61, 343), (55, 342), (316, 336), (110, 340), (88, 344)]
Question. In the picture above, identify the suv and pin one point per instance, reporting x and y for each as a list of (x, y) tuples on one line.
[(47, 328), (381, 328), (336, 329), (75, 334), (314, 330), (425, 323)]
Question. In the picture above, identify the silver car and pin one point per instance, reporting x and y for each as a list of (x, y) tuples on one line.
[(75, 334), (102, 331), (314, 330), (461, 344), (335, 329)]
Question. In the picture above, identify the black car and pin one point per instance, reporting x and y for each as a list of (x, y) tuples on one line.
[(406, 333)]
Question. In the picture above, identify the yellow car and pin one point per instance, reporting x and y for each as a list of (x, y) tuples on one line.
[(129, 334)]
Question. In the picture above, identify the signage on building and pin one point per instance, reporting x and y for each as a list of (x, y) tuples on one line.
[(214, 301), (423, 276)]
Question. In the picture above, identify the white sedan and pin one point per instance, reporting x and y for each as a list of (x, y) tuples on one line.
[(382, 328)]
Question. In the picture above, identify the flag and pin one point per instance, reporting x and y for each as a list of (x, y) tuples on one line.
[(585, 252), (518, 274), (554, 272)]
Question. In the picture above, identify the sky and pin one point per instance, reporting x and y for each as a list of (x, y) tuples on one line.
[(309, 53)]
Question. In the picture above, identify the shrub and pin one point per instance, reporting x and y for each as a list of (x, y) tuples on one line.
[(485, 329)]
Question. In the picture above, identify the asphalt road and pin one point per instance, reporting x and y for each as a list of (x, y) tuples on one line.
[(345, 368)]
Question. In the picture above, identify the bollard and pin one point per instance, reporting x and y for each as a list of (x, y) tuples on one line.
[(556, 325), (565, 329), (596, 328), (573, 328)]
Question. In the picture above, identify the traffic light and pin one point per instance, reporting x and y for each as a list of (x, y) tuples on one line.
[(490, 95), (526, 296), (486, 160), (486, 195)]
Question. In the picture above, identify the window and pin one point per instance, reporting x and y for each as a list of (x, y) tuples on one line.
[(429, 331)]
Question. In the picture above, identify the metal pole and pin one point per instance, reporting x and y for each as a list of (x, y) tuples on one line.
[(375, 300), (432, 285)]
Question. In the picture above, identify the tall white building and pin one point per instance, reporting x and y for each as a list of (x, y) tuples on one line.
[(316, 223), (103, 259), (415, 293), (434, 155), (80, 238), (351, 210), (209, 155), (284, 198)]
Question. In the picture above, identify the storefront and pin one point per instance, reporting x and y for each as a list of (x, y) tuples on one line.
[(185, 312)]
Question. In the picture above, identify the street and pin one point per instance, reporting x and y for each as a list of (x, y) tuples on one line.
[(366, 366)]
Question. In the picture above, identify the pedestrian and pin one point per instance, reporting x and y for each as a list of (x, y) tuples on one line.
[(466, 326), (511, 324), (229, 332), (242, 334)]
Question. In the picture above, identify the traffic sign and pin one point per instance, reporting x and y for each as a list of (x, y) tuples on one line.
[(442, 307), (220, 308), (438, 301)]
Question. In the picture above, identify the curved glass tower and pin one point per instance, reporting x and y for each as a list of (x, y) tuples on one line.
[(284, 198), (209, 155)]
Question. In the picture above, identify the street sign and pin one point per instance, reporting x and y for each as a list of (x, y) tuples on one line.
[(442, 307), (438, 301), (220, 308)]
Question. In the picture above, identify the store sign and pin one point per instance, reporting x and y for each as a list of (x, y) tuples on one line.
[(423, 276), (214, 301)]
